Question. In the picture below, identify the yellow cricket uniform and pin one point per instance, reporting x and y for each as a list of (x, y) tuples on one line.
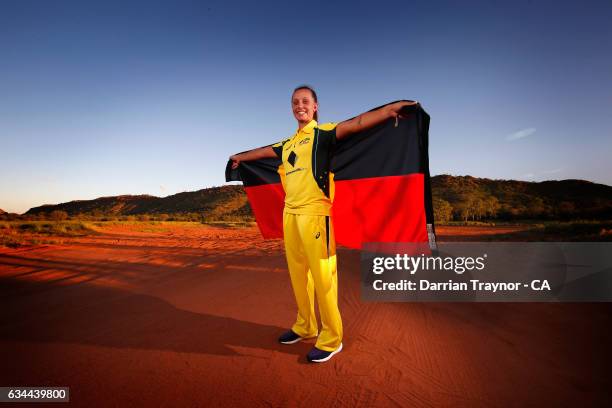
[(310, 246)]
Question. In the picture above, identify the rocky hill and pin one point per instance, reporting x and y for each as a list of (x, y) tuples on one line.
[(455, 197), (215, 203), (478, 198)]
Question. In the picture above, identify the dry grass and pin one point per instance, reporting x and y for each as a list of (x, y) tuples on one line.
[(19, 233), (26, 233)]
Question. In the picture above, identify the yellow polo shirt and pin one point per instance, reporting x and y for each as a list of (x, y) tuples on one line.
[(305, 170)]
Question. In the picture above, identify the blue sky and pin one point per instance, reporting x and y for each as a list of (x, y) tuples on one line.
[(109, 98)]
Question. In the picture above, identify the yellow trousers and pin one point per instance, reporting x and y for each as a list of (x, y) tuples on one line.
[(311, 257)]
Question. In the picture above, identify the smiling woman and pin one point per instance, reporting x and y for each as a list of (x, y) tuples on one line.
[(305, 104), (309, 238)]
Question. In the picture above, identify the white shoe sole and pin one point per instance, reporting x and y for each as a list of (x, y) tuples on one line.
[(328, 357), (292, 341)]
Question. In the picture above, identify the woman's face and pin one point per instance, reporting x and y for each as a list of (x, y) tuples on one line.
[(303, 105)]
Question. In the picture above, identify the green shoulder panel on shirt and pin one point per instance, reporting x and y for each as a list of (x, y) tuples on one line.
[(278, 147), (323, 149), (327, 134)]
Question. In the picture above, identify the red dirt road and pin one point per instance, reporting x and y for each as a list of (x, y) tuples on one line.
[(189, 316)]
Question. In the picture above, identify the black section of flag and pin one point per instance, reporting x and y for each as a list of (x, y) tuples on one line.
[(384, 150), (254, 173)]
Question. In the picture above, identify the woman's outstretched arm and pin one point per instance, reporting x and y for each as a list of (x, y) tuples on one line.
[(255, 154), (370, 119)]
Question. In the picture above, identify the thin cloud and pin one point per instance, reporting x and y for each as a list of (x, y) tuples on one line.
[(529, 175), (553, 171), (520, 134)]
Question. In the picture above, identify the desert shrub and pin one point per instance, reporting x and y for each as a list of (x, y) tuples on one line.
[(75, 227), (58, 215), (29, 226), (11, 241)]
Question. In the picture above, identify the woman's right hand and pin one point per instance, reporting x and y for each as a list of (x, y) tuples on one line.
[(235, 161), (255, 154)]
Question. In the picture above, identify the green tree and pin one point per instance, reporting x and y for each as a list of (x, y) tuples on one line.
[(443, 210), (492, 205), (536, 207), (465, 206), (480, 208)]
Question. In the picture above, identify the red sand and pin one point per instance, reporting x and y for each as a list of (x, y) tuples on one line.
[(189, 316)]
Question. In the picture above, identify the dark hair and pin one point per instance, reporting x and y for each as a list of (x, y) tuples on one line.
[(314, 96)]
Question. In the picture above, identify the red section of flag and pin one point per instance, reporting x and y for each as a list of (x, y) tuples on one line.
[(267, 202), (378, 209)]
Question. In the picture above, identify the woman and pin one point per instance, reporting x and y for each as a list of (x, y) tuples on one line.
[(308, 231)]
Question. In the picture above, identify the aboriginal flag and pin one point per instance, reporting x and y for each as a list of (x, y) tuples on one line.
[(382, 185)]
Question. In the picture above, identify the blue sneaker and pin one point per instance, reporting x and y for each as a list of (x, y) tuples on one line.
[(289, 338), (318, 356)]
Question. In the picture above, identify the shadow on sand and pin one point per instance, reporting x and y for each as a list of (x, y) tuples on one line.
[(93, 315)]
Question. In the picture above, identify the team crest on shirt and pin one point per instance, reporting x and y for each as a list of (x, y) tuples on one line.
[(305, 141)]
